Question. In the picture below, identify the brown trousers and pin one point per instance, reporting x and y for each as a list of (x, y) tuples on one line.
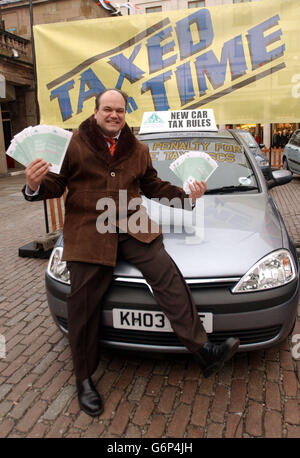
[(89, 282)]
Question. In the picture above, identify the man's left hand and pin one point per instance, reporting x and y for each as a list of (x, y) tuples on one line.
[(197, 190)]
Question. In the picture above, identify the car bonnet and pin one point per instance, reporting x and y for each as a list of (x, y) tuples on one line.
[(223, 237)]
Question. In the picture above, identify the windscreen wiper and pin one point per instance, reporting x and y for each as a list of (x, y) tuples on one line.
[(229, 189)]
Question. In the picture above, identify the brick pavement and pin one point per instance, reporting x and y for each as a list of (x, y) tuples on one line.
[(256, 395)]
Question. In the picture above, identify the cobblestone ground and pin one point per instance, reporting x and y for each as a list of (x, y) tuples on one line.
[(256, 395)]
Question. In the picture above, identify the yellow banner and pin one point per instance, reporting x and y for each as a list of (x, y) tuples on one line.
[(241, 60)]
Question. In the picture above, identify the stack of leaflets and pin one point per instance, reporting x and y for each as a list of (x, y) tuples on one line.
[(193, 166), (47, 142)]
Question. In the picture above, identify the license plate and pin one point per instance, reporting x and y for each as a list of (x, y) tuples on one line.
[(151, 321)]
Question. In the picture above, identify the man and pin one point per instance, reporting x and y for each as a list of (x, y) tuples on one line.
[(284, 138), (92, 170)]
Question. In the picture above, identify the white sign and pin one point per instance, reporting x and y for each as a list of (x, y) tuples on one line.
[(2, 346), (178, 121)]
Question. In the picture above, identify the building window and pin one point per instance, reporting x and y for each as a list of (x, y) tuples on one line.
[(153, 9), (198, 4)]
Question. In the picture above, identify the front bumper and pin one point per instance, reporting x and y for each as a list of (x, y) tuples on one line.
[(260, 319)]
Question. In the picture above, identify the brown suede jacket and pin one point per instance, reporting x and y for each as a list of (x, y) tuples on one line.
[(93, 179)]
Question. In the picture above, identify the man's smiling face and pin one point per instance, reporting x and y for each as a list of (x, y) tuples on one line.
[(110, 115)]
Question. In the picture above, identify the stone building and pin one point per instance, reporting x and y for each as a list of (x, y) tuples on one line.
[(17, 95), (17, 83)]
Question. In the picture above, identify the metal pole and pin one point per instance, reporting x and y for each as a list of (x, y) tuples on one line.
[(34, 62), (37, 108)]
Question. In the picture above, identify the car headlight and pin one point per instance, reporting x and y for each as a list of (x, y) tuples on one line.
[(275, 269), (57, 268)]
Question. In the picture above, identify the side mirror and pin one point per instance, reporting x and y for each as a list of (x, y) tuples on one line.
[(280, 177)]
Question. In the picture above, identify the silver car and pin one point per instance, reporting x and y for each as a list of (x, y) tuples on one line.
[(291, 154), (233, 250)]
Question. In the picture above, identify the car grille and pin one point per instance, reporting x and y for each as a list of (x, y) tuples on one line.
[(169, 339), (192, 283)]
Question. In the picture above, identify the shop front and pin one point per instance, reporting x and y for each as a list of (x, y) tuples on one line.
[(16, 95), (268, 133)]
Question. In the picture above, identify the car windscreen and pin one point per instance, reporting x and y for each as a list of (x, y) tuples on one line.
[(248, 139), (234, 168)]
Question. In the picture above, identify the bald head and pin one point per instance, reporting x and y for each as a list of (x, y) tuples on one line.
[(98, 97), (110, 112)]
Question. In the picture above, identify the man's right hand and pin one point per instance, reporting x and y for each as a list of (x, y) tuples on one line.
[(35, 173)]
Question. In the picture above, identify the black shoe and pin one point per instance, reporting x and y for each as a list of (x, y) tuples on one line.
[(88, 398), (212, 357)]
